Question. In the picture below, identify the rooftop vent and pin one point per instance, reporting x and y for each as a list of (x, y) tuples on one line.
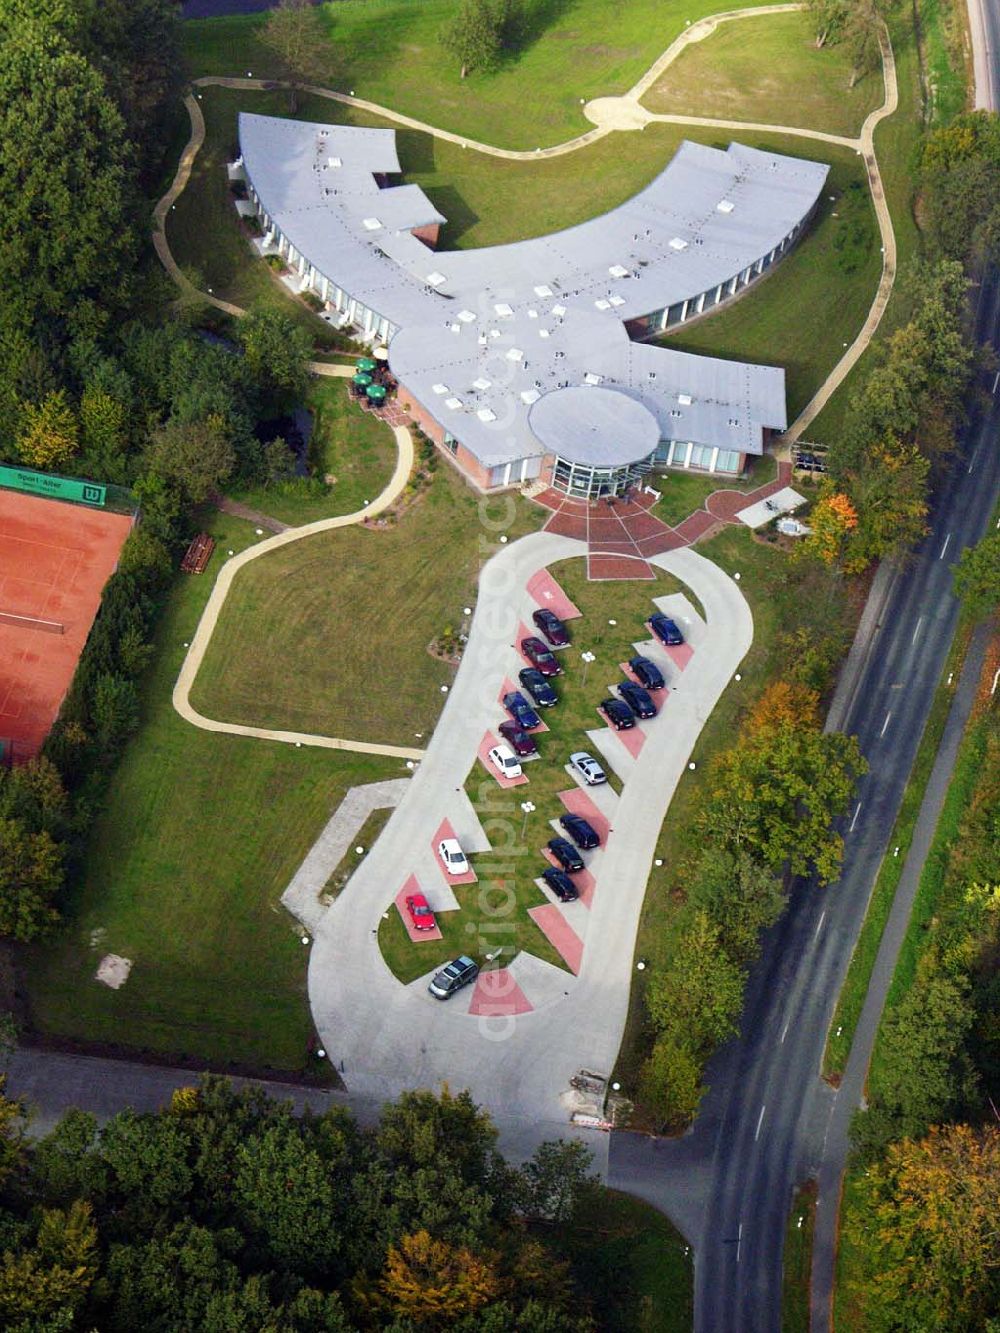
[(616, 300), (494, 333), (481, 340), (652, 374), (558, 311), (684, 399), (532, 314), (371, 224), (453, 403), (724, 206), (455, 328), (543, 290), (591, 378), (602, 304), (617, 271), (543, 333), (503, 310), (486, 414), (436, 279), (514, 354), (678, 243), (440, 388), (466, 316)]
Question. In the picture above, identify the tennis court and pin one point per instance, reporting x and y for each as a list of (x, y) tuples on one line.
[(55, 559)]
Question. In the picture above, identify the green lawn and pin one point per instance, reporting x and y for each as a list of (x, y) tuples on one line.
[(389, 52), (813, 303), (684, 492), (784, 595), (634, 1265), (473, 928), (198, 837), (331, 633), (352, 448), (769, 70), (798, 1261)]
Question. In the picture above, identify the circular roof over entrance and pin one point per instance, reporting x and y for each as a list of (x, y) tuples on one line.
[(594, 427)]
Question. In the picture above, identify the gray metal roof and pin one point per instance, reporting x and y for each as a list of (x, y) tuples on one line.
[(596, 426), (483, 334)]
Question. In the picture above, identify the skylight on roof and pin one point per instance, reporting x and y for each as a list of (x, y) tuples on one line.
[(724, 206), (514, 354), (678, 243), (617, 271), (503, 310), (453, 403), (435, 279), (684, 399), (558, 311), (543, 333), (616, 300), (532, 314), (591, 378), (440, 388), (530, 396), (466, 316), (602, 304), (485, 414), (334, 162), (371, 224), (543, 290), (481, 384), (455, 328)]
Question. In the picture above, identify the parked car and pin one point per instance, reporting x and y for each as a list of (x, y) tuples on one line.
[(419, 911), (552, 627), (504, 761), (566, 854), (521, 711), (453, 976), (518, 740), (588, 768), (582, 833), (618, 713), (647, 673), (540, 657), (538, 687), (452, 857), (560, 884), (639, 700), (665, 629)]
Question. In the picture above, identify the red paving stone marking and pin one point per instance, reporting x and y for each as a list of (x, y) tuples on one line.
[(509, 688), (547, 592), (497, 995), (633, 738), (55, 559), (583, 880), (680, 654), (412, 886), (602, 567), (560, 934), (487, 744), (577, 802), (445, 830)]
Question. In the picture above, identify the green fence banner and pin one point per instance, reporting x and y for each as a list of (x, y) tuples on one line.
[(56, 488)]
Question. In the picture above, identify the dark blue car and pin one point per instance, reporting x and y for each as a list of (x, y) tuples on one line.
[(538, 687), (647, 673), (665, 629), (520, 710)]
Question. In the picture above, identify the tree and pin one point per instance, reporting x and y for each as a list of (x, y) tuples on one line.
[(433, 1283), (33, 793), (831, 519), (977, 576), (741, 896), (930, 1214), (475, 35), (43, 1287), (295, 32), (48, 438), (198, 455), (276, 354), (555, 1183), (890, 492), (784, 703), (114, 710), (671, 1080), (700, 992), (31, 876), (104, 433)]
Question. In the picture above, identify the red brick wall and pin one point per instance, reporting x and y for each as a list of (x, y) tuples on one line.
[(428, 234)]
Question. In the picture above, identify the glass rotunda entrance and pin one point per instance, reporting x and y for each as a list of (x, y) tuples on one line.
[(602, 440)]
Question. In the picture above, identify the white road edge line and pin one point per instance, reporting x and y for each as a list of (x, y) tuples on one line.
[(945, 546), (917, 630), (784, 1031), (996, 381), (819, 927), (885, 724), (739, 1242), (857, 811), (760, 1121)]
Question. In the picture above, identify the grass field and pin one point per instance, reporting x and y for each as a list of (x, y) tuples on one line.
[(783, 596), (798, 1261), (389, 52), (331, 633), (184, 867), (576, 712), (348, 444), (768, 70), (684, 492)]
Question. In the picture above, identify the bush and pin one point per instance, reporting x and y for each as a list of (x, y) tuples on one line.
[(276, 263)]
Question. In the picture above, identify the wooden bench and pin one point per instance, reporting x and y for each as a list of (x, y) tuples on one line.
[(198, 554)]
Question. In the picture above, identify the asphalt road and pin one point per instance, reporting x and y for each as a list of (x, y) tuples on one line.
[(764, 1124)]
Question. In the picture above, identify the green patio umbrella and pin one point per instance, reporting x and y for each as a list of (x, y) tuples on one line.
[(376, 393), (362, 380), (366, 363)]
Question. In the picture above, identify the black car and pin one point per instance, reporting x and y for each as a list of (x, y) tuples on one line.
[(648, 673), (552, 627), (538, 687), (566, 854), (560, 884), (665, 629), (639, 700), (618, 714), (521, 711), (519, 741), (582, 833), (453, 976)]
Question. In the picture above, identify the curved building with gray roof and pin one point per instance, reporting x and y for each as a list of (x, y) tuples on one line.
[(499, 350)]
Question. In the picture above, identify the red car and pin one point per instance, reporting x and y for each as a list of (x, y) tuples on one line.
[(519, 740), (541, 657), (420, 912)]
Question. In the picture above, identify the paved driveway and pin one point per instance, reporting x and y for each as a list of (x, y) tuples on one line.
[(388, 1036)]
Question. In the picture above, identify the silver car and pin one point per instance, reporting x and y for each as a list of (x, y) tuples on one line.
[(588, 768)]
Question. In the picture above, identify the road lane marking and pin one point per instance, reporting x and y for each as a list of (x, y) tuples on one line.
[(820, 926), (886, 722), (784, 1032), (760, 1121), (945, 546), (972, 464), (739, 1243), (996, 381), (917, 630), (857, 811)]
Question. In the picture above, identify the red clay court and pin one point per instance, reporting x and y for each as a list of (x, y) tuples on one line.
[(55, 559)]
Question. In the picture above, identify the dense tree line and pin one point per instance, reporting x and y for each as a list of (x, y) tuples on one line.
[(227, 1212), (771, 802), (959, 181)]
